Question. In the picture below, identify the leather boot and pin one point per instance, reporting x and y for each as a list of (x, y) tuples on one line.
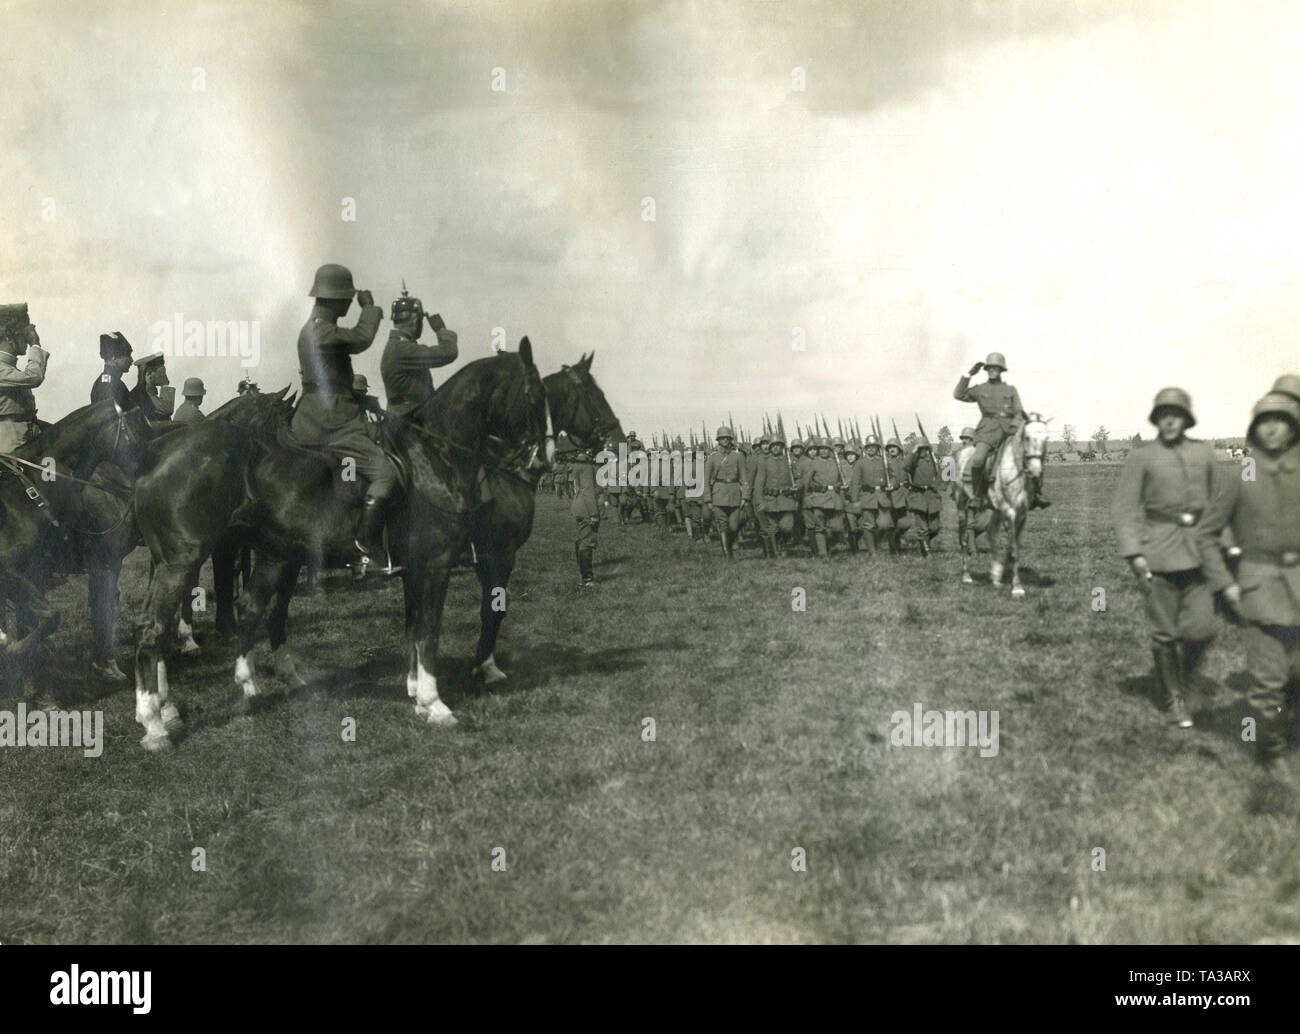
[(1170, 682), (368, 529), (1040, 501), (820, 538), (585, 567), (726, 543)]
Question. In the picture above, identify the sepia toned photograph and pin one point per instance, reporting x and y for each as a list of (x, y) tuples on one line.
[(692, 472)]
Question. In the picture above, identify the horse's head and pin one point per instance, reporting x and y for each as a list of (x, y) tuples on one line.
[(516, 411), (1035, 439), (578, 406)]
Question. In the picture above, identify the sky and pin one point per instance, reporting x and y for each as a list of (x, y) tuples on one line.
[(1103, 191)]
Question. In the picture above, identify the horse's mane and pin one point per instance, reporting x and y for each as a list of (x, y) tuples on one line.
[(494, 383)]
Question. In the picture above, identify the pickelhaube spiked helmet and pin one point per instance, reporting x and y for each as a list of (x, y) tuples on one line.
[(1173, 398), (407, 305)]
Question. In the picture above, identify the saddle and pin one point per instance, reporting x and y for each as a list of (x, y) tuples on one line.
[(285, 437)]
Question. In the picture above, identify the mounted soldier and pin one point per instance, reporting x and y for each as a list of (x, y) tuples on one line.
[(188, 412), (372, 412), (328, 414), (1001, 415), (406, 364), (152, 392), (115, 350), (17, 403)]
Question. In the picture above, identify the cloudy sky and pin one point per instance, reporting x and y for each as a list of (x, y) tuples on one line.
[(1106, 191)]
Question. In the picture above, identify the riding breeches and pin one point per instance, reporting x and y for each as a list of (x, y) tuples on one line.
[(369, 458)]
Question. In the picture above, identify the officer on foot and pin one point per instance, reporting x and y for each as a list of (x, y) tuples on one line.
[(1265, 593), (1001, 415), (328, 413), (586, 513), (726, 488), (188, 412), (1163, 493), (775, 489)]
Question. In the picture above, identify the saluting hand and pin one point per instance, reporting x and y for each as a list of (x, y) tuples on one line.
[(365, 298), (976, 369)]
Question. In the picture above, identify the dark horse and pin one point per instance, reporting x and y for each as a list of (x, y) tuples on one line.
[(290, 506), (504, 519), (66, 451), (108, 532)]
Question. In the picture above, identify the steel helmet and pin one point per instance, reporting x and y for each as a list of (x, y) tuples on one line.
[(724, 432), (1173, 398), (193, 387), (851, 449), (796, 444), (873, 440), (894, 444), (837, 443), (967, 432), (996, 359), (332, 281), (1275, 403), (1287, 384)]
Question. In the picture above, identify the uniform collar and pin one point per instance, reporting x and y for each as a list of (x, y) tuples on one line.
[(319, 312)]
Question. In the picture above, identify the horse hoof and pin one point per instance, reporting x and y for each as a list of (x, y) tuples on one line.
[(189, 646), (109, 672), (171, 719), (156, 743), (1017, 593), (438, 714), (966, 579), (489, 672)]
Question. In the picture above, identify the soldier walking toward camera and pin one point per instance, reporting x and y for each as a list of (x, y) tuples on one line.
[(896, 522), (1264, 517), (1163, 494), (775, 490), (328, 413), (1001, 415), (924, 501), (188, 412), (822, 501), (874, 515), (726, 488), (586, 513)]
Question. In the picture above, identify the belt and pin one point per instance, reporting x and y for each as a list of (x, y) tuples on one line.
[(1186, 519), (1283, 557)]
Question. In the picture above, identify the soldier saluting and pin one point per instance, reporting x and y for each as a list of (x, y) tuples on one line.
[(17, 403), (152, 392), (406, 364), (1001, 415), (328, 413)]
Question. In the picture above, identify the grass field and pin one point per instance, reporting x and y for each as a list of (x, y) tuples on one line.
[(772, 732)]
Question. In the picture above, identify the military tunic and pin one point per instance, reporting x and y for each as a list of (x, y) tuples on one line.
[(1264, 516), (1000, 409), (328, 413), (188, 413), (873, 500), (726, 487), (108, 385), (775, 491), (1163, 492), (157, 409), (923, 497), (584, 508), (822, 500), (17, 403), (406, 366)]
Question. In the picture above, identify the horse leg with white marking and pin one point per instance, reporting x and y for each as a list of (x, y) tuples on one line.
[(153, 709), (426, 592), (493, 573), (252, 608), (1016, 527)]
